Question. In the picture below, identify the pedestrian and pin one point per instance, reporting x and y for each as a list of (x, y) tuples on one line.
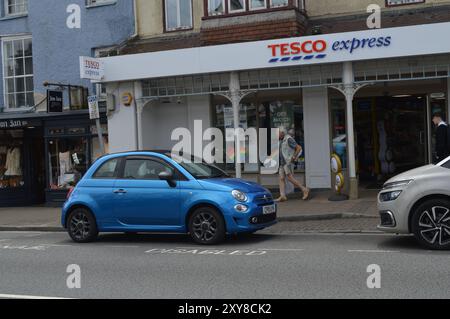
[(288, 153), (442, 138)]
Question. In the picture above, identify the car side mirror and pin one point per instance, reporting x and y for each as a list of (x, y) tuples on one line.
[(168, 177)]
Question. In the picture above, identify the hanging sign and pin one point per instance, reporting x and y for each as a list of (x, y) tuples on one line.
[(54, 101)]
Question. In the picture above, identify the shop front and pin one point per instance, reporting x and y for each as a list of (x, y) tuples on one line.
[(43, 155), (21, 162), (367, 96), (71, 146), (393, 127)]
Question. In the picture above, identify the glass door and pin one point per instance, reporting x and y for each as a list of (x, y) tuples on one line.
[(436, 103)]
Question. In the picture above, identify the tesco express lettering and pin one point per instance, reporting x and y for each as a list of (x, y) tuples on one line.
[(317, 49)]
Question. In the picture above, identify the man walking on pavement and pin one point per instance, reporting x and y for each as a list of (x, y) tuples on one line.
[(442, 136), (288, 153)]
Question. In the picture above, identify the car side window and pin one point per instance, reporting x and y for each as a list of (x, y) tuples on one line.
[(144, 169), (108, 169), (446, 165)]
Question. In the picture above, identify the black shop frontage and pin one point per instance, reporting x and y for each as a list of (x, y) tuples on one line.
[(43, 155)]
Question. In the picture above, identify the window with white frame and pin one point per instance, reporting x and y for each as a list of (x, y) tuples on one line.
[(216, 7), (236, 5), (178, 14), (258, 4), (18, 73), (278, 3), (97, 2), (14, 7)]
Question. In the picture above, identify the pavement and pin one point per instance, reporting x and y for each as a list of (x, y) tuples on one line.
[(317, 214), (264, 265)]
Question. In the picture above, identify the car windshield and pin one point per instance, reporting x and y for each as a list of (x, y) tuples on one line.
[(200, 169)]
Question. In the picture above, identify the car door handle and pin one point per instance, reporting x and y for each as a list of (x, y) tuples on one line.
[(120, 191)]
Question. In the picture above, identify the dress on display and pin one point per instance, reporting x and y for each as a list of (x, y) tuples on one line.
[(65, 167), (13, 167)]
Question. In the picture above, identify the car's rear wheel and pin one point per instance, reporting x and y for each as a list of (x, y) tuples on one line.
[(431, 224), (81, 226), (206, 226)]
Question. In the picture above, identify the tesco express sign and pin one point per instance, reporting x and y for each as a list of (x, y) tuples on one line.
[(319, 49)]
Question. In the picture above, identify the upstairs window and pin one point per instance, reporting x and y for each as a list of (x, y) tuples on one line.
[(16, 7), (229, 7), (18, 73), (216, 7), (395, 3), (236, 6), (178, 14)]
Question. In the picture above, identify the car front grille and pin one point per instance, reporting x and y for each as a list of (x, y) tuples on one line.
[(263, 200)]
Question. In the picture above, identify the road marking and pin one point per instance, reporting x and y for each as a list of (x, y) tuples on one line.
[(197, 251), (7, 296), (277, 249), (372, 251)]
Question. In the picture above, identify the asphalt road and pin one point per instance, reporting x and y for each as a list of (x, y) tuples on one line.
[(257, 266)]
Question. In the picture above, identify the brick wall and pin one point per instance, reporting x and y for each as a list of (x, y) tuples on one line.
[(253, 32)]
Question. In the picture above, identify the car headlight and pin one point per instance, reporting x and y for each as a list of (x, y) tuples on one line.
[(397, 184), (389, 196), (240, 196)]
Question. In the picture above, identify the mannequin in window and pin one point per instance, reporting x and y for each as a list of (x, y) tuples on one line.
[(13, 161)]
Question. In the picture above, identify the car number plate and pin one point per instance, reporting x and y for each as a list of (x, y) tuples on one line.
[(269, 209)]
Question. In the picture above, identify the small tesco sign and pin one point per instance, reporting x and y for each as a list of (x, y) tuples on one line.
[(91, 69)]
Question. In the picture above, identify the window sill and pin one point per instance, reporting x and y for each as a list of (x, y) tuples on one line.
[(101, 4), (14, 16), (253, 11)]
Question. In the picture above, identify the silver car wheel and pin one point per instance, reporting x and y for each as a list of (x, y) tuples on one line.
[(434, 225)]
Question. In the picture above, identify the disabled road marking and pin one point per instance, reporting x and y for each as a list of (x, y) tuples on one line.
[(215, 252)]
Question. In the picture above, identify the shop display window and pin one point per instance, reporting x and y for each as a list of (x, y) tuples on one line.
[(274, 110), (68, 161), (11, 159)]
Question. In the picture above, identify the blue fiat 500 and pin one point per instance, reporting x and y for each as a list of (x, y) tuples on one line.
[(151, 192)]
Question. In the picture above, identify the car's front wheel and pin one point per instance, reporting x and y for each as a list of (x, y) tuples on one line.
[(431, 224), (206, 226), (82, 226)]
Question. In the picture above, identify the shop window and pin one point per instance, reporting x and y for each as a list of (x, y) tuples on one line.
[(18, 73), (178, 15), (68, 161), (96, 149), (11, 159), (144, 169), (16, 7), (76, 130), (268, 110)]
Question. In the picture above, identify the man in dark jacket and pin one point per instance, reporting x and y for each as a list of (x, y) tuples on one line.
[(442, 145)]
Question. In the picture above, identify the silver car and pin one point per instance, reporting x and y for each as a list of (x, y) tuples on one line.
[(418, 202)]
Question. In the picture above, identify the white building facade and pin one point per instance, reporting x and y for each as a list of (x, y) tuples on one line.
[(367, 96)]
